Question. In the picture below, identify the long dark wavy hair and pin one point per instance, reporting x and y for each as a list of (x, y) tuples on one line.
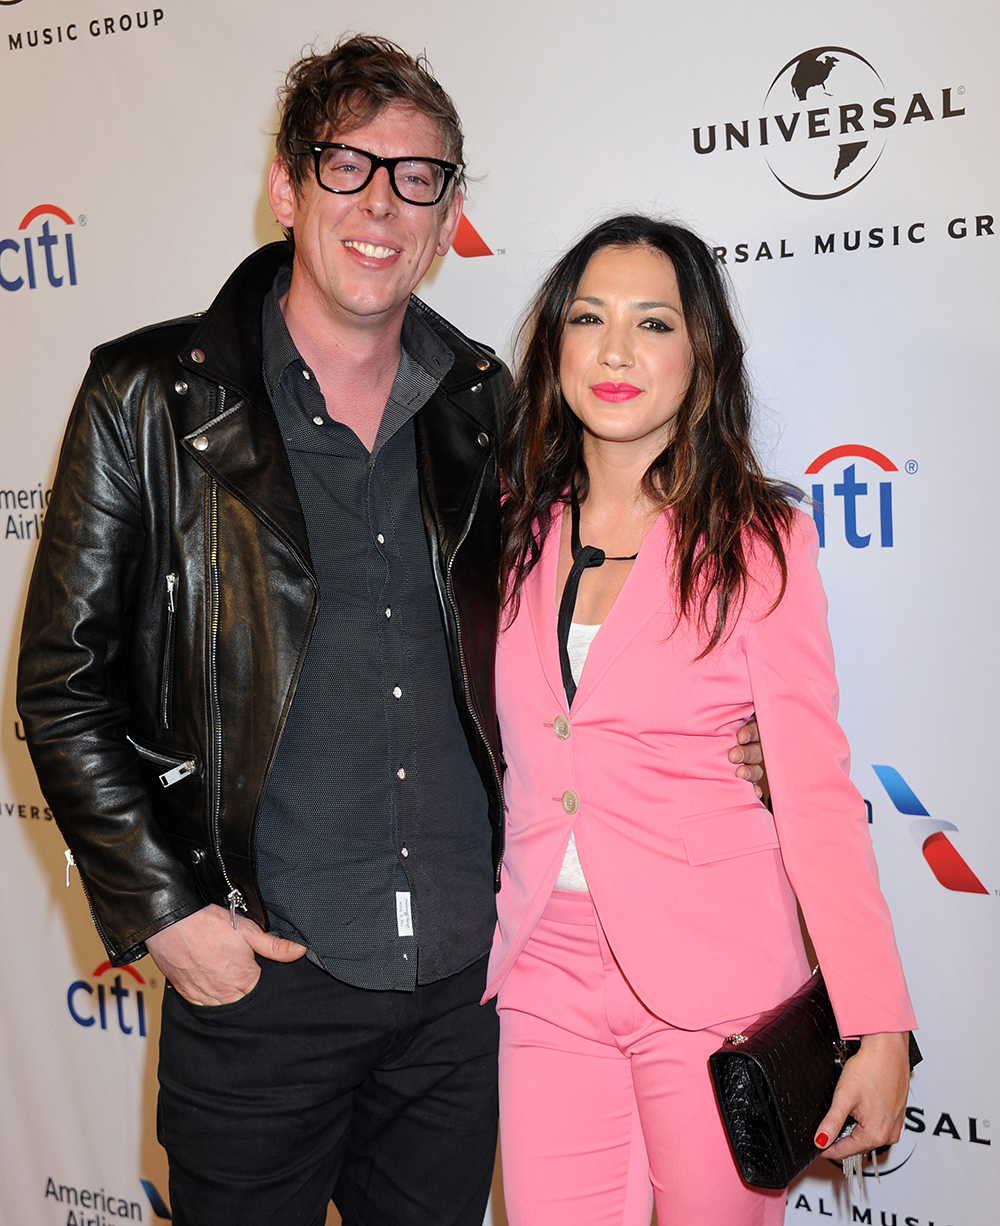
[(707, 476)]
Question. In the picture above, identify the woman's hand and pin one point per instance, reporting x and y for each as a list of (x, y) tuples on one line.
[(872, 1088)]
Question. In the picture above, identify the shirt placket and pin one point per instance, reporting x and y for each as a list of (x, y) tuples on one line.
[(388, 586)]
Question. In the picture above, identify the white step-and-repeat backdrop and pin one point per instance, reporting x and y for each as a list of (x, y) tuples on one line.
[(841, 159)]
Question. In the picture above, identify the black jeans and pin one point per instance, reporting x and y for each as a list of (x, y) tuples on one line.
[(308, 1090)]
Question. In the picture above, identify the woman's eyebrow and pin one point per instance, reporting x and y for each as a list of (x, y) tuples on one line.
[(638, 306)]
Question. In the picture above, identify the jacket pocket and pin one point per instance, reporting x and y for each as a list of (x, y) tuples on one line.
[(726, 833), (167, 673), (173, 767)]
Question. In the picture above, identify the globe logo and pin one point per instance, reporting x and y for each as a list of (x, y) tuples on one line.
[(824, 124)]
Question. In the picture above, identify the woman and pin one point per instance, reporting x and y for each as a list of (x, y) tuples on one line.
[(648, 906)]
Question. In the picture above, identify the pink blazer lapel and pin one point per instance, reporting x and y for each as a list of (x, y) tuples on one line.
[(539, 595), (644, 595)]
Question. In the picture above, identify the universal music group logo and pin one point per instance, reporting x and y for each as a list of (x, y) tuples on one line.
[(825, 120)]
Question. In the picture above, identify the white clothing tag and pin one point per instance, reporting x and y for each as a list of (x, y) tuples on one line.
[(404, 916)]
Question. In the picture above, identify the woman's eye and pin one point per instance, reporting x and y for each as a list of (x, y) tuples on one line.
[(585, 317), (655, 325)]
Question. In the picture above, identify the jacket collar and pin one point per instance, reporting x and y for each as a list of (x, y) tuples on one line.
[(241, 444), (229, 336), (228, 341)]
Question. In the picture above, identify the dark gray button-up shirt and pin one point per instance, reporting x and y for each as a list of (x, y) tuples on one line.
[(373, 843)]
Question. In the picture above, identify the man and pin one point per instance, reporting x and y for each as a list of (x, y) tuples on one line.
[(257, 682)]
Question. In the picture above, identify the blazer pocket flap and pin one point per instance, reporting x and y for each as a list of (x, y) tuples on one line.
[(725, 833)]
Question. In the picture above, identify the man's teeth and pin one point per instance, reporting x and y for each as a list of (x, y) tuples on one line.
[(377, 253)]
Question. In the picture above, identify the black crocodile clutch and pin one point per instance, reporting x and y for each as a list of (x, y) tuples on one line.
[(775, 1083)]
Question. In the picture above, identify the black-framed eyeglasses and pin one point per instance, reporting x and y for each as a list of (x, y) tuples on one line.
[(346, 170)]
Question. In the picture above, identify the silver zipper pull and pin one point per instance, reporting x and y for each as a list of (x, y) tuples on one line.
[(70, 863), (235, 900), (171, 589), (170, 777)]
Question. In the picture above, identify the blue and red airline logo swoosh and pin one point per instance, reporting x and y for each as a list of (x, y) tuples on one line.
[(945, 862), (156, 1200)]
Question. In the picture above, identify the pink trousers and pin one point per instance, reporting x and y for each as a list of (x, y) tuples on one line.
[(602, 1104)]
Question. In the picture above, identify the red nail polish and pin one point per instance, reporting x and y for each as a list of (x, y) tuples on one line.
[(822, 1141)]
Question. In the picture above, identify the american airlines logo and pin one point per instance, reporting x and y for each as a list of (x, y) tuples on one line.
[(931, 835)]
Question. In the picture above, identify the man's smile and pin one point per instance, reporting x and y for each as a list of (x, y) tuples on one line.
[(370, 250)]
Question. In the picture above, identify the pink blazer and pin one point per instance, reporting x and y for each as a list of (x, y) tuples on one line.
[(695, 883)]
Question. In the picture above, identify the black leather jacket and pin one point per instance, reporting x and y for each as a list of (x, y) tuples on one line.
[(173, 599)]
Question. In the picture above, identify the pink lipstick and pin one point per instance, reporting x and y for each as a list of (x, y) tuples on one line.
[(615, 393)]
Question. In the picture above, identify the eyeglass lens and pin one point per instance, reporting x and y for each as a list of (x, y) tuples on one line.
[(345, 170)]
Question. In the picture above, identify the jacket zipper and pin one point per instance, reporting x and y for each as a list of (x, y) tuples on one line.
[(234, 897), (449, 588), (178, 768), (168, 653), (71, 863)]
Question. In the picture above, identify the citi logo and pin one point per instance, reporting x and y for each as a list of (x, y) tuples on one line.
[(826, 115), (938, 850), (35, 256), (89, 1004), (467, 242), (866, 504)]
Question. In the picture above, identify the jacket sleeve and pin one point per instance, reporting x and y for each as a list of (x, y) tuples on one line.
[(72, 691), (819, 814)]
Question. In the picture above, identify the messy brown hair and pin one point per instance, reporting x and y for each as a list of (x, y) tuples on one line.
[(348, 86)]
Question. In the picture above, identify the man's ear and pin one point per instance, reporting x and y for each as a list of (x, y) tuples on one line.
[(281, 193), (449, 227)]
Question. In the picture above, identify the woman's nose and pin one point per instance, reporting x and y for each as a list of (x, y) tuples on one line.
[(616, 352)]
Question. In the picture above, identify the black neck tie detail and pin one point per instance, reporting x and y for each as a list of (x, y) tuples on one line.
[(584, 556)]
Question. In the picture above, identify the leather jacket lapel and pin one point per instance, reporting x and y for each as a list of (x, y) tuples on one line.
[(240, 444), (242, 448)]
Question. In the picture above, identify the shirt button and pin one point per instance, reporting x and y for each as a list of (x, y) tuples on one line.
[(401, 773), (388, 612), (404, 852), (200, 443), (483, 364), (570, 801), (397, 692), (561, 727), (317, 420), (380, 538), (306, 374), (197, 356)]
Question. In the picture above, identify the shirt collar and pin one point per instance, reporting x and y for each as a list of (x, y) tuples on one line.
[(417, 338)]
